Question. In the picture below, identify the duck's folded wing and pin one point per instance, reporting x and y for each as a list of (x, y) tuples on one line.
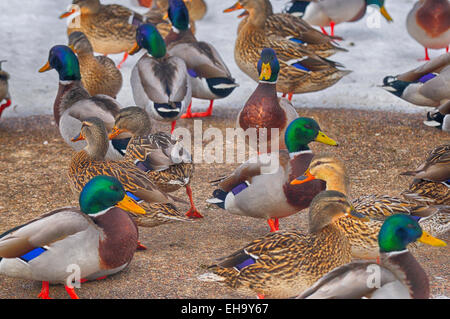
[(100, 106), (435, 65), (351, 281), (42, 231)]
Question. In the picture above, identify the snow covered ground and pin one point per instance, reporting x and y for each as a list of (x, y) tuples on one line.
[(29, 28)]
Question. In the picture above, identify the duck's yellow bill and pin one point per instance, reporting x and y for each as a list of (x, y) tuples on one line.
[(236, 6), (322, 138), (135, 49), (77, 138), (385, 14), (45, 68), (72, 47), (266, 72), (303, 179), (128, 204), (67, 14), (430, 240), (115, 132)]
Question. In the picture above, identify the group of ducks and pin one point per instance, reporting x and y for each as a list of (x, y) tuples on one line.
[(123, 172)]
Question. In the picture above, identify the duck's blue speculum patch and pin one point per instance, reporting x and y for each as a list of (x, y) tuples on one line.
[(236, 190), (427, 77), (33, 254), (134, 197), (249, 261)]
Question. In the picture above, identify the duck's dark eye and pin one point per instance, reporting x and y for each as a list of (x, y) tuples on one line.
[(114, 188), (411, 226), (307, 126)]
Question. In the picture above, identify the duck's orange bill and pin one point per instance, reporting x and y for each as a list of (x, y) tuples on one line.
[(128, 204), (45, 68), (135, 49), (115, 132), (67, 14), (80, 137), (426, 238), (236, 6), (303, 179)]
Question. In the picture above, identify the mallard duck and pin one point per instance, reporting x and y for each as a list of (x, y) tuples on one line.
[(4, 91), (428, 23), (363, 234), (436, 167), (159, 81), (90, 162), (285, 263), (426, 85), (99, 237), (323, 13), (99, 74), (301, 70), (297, 30), (110, 28), (400, 275), (260, 187), (73, 104), (210, 77), (162, 157), (264, 109)]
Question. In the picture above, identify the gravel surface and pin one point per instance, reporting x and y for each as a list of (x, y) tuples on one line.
[(376, 146)]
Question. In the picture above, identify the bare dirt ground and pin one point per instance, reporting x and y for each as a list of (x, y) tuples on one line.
[(376, 146)]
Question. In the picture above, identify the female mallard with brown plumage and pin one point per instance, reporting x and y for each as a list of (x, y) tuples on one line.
[(4, 92), (163, 158), (159, 81), (428, 23), (99, 74), (363, 235), (264, 109), (90, 162), (261, 188), (111, 28), (99, 237), (210, 77), (73, 104), (297, 30), (436, 167), (285, 263), (400, 275), (301, 70)]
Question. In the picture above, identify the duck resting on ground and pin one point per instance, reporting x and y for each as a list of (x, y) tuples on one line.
[(4, 91), (99, 237)]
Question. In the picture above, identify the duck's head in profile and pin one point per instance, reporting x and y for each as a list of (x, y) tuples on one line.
[(268, 66), (103, 192), (400, 230), (64, 61), (149, 38)]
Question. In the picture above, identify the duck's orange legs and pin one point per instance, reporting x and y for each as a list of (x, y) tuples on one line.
[(289, 96), (71, 292), (174, 123), (140, 246), (4, 106), (260, 296), (189, 114), (332, 24), (274, 224), (192, 212), (125, 57), (44, 294), (427, 57)]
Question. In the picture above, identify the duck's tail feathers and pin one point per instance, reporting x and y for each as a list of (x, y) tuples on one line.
[(218, 198), (210, 277)]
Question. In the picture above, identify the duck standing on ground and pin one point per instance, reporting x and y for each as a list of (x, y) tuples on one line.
[(209, 75), (73, 104), (99, 74), (428, 23), (99, 237), (159, 81), (163, 158), (261, 187)]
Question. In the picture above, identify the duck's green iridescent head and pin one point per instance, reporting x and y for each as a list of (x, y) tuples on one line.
[(103, 192), (383, 11), (63, 59), (178, 14), (400, 230), (268, 66), (148, 37), (303, 131)]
